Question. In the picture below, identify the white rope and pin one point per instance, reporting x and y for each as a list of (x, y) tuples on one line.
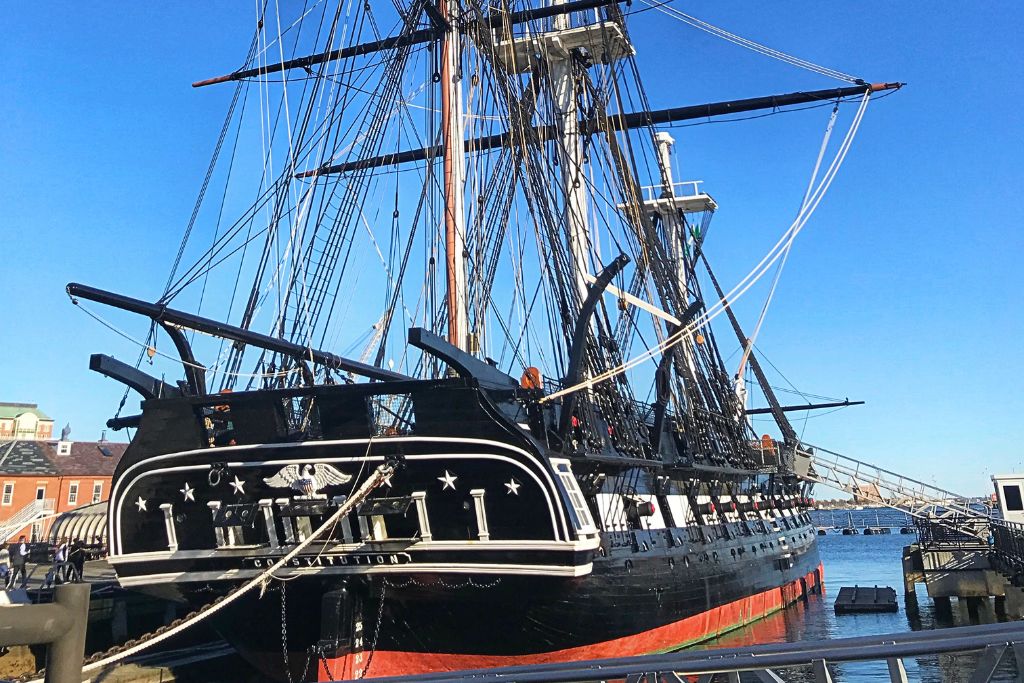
[(376, 478), (711, 29), (773, 255), (778, 272)]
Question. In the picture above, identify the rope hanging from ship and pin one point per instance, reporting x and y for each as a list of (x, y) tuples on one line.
[(744, 285), (103, 660)]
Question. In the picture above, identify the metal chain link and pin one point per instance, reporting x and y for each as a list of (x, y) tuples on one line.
[(376, 630), (469, 583), (284, 636), (323, 660)]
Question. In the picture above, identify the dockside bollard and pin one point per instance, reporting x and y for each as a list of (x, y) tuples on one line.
[(60, 624)]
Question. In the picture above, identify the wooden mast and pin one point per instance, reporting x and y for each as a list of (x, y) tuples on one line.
[(453, 140)]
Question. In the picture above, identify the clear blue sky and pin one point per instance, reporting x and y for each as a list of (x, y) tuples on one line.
[(903, 291)]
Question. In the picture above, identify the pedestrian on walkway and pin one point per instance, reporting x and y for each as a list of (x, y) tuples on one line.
[(60, 562), (19, 556), (77, 559), (5, 565)]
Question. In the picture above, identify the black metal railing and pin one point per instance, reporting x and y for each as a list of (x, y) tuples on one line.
[(1007, 540), (1002, 540), (956, 532)]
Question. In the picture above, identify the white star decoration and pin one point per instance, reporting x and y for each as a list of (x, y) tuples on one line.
[(513, 487), (141, 504), (387, 481), (188, 492), (448, 480), (238, 485)]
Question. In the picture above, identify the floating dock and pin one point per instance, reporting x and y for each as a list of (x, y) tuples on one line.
[(855, 599)]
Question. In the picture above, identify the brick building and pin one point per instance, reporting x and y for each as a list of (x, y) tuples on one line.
[(56, 476)]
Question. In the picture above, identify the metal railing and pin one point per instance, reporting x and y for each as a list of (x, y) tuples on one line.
[(953, 533), (874, 484), (683, 188), (61, 625), (37, 509), (776, 663), (1008, 548)]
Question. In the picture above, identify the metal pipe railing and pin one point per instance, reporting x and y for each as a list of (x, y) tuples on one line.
[(61, 625), (992, 639)]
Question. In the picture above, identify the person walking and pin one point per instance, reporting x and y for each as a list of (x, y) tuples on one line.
[(60, 562), (77, 559), (5, 565), (19, 556)]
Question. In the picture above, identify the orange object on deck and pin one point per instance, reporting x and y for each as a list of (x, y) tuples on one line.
[(531, 379)]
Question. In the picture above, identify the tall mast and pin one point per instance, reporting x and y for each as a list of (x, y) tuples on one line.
[(673, 225), (671, 208), (453, 136), (570, 155)]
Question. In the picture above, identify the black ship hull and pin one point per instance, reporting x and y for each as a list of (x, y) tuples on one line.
[(632, 603), (482, 546)]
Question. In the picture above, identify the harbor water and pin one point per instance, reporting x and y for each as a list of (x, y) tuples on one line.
[(869, 560)]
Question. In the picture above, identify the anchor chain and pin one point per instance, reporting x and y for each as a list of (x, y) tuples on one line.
[(284, 636), (376, 630)]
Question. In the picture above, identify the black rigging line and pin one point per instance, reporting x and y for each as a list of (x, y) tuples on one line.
[(209, 172)]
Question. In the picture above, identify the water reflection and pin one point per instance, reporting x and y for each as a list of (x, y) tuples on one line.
[(870, 561)]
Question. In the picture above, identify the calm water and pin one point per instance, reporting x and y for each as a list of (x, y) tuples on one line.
[(868, 561)]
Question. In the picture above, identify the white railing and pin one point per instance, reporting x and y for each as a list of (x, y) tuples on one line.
[(39, 508), (684, 188)]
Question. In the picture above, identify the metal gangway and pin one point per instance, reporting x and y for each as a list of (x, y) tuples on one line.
[(873, 484)]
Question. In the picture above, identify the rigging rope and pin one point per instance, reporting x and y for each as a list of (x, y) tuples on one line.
[(744, 285), (375, 479), (789, 245), (147, 347), (749, 44)]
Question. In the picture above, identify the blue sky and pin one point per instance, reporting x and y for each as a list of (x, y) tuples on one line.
[(902, 291)]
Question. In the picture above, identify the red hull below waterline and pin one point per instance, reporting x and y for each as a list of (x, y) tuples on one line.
[(688, 631)]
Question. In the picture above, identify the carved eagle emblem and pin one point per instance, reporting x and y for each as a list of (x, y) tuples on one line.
[(309, 479)]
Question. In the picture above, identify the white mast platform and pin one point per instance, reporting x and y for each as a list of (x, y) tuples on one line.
[(604, 41)]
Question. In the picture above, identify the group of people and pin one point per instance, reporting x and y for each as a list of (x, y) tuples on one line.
[(68, 563)]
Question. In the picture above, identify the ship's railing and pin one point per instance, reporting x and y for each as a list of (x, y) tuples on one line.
[(902, 656), (683, 188)]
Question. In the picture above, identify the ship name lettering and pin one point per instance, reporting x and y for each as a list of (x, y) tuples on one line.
[(345, 560)]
